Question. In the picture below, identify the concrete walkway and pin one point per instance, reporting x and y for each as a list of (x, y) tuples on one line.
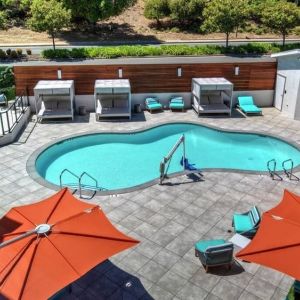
[(167, 219)]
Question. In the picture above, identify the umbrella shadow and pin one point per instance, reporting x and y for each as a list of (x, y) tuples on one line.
[(105, 281), (7, 225)]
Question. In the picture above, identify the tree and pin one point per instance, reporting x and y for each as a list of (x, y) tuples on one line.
[(186, 10), (225, 16), (49, 16), (281, 17), (156, 9), (3, 20)]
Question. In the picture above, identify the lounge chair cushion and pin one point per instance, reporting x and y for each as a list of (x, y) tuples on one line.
[(64, 105), (50, 105), (250, 109), (246, 222), (176, 100), (215, 99), (242, 223), (204, 100), (202, 246), (247, 105), (151, 100), (154, 106), (177, 105)]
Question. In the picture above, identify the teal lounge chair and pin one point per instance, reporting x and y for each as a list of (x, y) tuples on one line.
[(176, 103), (152, 104), (247, 223), (246, 104), (214, 253)]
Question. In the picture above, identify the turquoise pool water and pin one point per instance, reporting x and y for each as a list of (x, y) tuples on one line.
[(126, 160)]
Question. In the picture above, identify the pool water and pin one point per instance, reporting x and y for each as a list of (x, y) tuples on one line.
[(122, 160)]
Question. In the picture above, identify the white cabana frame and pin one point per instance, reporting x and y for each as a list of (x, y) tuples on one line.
[(212, 95), (54, 99), (112, 98)]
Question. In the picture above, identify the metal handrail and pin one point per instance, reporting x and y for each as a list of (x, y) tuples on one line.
[(17, 108), (273, 172), (74, 175), (289, 173), (88, 175)]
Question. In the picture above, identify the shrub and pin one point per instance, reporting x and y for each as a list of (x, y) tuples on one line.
[(28, 51), (156, 10), (8, 52), (14, 54), (19, 51), (2, 54), (176, 50), (10, 92)]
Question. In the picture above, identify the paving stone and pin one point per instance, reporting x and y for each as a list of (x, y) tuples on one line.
[(159, 293), (191, 292), (185, 268), (261, 288), (152, 271), (226, 290), (172, 282)]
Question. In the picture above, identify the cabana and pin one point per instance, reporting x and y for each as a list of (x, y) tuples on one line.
[(212, 95), (113, 98), (54, 99)]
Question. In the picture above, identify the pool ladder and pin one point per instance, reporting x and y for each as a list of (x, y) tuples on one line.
[(79, 184), (287, 166)]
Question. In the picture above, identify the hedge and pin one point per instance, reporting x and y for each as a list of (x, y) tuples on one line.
[(164, 50), (7, 82)]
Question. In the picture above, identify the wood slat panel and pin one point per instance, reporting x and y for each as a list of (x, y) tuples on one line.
[(151, 78)]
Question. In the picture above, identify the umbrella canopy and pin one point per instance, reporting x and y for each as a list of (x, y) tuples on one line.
[(277, 241), (55, 242)]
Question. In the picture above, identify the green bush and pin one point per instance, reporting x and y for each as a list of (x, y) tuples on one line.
[(2, 54), (7, 78), (10, 92), (14, 54), (165, 50)]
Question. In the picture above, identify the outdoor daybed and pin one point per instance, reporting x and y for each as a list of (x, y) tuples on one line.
[(112, 98), (54, 99), (212, 95)]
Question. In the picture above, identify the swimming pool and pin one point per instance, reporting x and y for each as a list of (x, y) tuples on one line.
[(124, 160)]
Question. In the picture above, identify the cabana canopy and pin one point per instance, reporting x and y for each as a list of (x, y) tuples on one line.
[(212, 95), (113, 98), (54, 99)]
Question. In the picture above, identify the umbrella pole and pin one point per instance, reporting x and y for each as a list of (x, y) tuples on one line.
[(18, 238)]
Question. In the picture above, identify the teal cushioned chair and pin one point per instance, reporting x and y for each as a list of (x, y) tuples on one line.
[(214, 253), (247, 223), (246, 104), (152, 104), (176, 103)]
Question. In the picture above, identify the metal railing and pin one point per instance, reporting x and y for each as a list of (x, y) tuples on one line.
[(11, 115)]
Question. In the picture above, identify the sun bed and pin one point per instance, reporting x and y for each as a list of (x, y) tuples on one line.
[(246, 223), (246, 104), (212, 95), (214, 253), (112, 98), (152, 104), (176, 103), (54, 99)]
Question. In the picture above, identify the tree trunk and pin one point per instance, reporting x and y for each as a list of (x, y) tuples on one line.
[(283, 39), (236, 32), (227, 38), (53, 40), (158, 24)]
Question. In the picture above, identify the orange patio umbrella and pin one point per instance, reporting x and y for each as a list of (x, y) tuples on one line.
[(47, 245), (277, 241)]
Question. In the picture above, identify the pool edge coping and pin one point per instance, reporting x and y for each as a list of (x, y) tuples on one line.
[(33, 174)]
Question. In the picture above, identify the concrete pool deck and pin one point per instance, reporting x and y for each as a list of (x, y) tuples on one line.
[(167, 219)]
